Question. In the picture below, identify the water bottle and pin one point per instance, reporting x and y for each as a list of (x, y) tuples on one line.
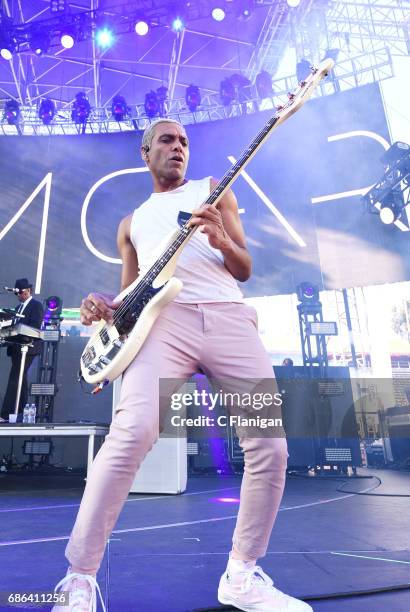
[(32, 413), (25, 413)]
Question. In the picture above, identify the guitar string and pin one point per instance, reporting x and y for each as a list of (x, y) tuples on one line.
[(132, 297), (185, 232)]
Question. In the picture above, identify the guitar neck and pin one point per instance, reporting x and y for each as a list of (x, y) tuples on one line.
[(232, 174), (294, 103), (219, 190)]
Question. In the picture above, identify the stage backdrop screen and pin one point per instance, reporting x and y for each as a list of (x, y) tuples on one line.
[(63, 197)]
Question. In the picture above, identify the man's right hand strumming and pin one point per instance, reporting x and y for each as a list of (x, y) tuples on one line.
[(97, 306)]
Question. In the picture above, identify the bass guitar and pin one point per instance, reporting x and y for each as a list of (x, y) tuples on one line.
[(114, 345)]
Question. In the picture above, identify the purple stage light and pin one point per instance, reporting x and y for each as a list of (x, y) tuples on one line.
[(67, 41), (218, 14), (227, 500), (141, 28), (216, 445)]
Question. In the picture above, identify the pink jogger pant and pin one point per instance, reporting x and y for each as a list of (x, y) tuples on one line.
[(222, 340)]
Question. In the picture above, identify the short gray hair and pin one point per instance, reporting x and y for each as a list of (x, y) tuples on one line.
[(149, 131)]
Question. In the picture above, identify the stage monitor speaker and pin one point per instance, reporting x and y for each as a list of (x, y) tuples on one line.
[(324, 414), (165, 468)]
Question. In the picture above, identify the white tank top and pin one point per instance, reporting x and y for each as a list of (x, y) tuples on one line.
[(200, 267)]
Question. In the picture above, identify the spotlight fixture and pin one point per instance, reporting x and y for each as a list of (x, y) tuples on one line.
[(193, 97), (162, 95), (104, 38), (264, 85), (67, 38), (67, 41), (53, 310), (227, 92), (244, 9), (119, 108), (388, 215), (303, 70), (8, 42), (80, 109), (39, 42), (392, 206), (141, 27), (151, 104), (6, 52), (218, 13), (241, 86), (293, 3), (308, 293), (390, 196), (395, 154), (11, 111), (47, 111), (58, 6)]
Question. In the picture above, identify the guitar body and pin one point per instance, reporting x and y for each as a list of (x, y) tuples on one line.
[(114, 345), (110, 350)]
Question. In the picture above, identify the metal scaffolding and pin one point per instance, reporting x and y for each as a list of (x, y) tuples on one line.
[(347, 29), (363, 36)]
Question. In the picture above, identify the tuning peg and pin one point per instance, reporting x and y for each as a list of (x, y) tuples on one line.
[(279, 108), (291, 95)]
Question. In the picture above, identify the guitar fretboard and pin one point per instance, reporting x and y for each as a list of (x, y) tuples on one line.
[(213, 198)]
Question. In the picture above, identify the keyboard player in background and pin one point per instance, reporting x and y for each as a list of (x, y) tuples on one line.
[(32, 311)]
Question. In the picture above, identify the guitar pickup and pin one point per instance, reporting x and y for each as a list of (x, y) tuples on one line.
[(105, 339)]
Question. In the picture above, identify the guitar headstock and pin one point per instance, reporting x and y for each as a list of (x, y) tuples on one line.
[(304, 90)]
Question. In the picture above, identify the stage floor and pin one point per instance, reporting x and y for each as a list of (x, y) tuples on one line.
[(168, 552)]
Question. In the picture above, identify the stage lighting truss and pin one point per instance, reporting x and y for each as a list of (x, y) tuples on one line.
[(100, 119), (390, 196), (85, 23)]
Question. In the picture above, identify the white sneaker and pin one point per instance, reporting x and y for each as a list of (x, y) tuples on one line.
[(253, 591), (81, 590)]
